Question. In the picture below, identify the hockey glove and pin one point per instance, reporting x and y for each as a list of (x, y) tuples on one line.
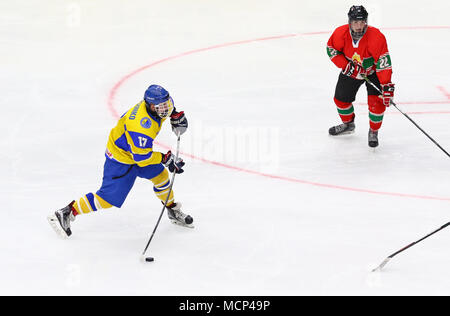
[(388, 93), (353, 70), (179, 122), (168, 160)]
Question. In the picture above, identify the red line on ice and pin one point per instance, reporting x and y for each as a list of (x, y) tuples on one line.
[(445, 92), (114, 113)]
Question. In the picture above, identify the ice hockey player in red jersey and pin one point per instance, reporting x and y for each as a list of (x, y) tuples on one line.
[(360, 50)]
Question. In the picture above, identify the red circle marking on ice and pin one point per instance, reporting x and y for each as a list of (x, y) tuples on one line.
[(114, 113)]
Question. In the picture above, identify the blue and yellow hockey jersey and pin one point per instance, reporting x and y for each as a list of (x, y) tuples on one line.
[(131, 141)]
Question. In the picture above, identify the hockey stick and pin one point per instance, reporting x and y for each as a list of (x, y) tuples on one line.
[(150, 259), (406, 115), (403, 249)]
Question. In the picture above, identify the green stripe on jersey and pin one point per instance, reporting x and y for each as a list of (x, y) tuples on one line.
[(384, 62), (332, 52), (367, 62)]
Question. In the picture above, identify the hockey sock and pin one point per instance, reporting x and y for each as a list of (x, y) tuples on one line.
[(161, 186), (376, 111), (90, 203), (345, 110)]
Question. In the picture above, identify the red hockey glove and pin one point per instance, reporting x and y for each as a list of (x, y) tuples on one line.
[(353, 70), (168, 160), (388, 93)]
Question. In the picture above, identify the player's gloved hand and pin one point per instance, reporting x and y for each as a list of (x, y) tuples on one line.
[(168, 160), (353, 70), (179, 122), (388, 93)]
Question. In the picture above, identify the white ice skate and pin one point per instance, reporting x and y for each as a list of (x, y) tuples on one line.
[(342, 129), (177, 217), (373, 138), (60, 220)]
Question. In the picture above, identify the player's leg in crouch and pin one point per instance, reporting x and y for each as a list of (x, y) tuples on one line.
[(118, 179), (347, 114), (88, 203), (345, 93), (62, 218), (161, 187), (376, 111)]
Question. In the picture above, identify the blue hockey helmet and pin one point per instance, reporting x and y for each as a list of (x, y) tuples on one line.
[(160, 98), (156, 94)]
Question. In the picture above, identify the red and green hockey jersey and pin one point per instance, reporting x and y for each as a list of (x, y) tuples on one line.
[(370, 51)]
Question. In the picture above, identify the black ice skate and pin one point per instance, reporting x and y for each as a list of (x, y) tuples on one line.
[(373, 138), (60, 220), (176, 216), (342, 129)]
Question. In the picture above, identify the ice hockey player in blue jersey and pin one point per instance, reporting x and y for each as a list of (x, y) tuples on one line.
[(129, 154)]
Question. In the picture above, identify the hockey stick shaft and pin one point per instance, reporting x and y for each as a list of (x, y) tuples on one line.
[(416, 242), (407, 116), (409, 246), (167, 199)]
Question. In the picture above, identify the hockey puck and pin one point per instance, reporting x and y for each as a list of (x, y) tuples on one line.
[(149, 259)]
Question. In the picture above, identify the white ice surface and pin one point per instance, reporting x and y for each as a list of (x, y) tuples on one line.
[(255, 234)]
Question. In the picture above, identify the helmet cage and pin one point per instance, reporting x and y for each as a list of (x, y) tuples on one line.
[(164, 109), (357, 13)]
